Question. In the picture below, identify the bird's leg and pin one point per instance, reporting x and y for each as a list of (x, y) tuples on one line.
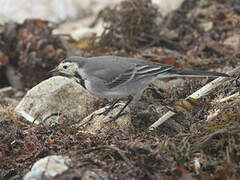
[(130, 98), (107, 110)]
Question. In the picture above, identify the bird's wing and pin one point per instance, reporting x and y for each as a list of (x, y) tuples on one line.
[(121, 78), (113, 78), (153, 70)]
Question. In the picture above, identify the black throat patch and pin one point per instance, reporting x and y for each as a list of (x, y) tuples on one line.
[(80, 80)]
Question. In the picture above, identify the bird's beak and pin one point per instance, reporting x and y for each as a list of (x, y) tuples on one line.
[(53, 70)]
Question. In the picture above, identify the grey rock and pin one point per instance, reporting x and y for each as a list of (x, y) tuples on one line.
[(48, 167), (233, 41), (96, 174), (169, 84), (140, 148), (57, 95)]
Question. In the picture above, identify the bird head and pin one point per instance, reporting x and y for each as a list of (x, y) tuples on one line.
[(69, 67)]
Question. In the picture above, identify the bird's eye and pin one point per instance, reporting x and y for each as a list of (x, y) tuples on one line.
[(64, 67)]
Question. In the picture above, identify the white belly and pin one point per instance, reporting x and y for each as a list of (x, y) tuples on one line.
[(118, 92)]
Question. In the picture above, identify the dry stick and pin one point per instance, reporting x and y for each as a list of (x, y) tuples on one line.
[(196, 95)]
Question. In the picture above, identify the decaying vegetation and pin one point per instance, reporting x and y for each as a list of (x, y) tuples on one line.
[(201, 142)]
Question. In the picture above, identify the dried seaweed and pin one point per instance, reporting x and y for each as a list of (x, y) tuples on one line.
[(30, 49), (128, 26), (188, 146)]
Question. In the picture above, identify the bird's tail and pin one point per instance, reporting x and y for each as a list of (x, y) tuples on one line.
[(178, 72)]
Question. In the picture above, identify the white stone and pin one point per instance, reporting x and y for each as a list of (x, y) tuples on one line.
[(166, 6), (233, 41), (49, 166), (53, 96), (169, 84)]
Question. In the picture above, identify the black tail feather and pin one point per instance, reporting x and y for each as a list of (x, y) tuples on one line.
[(177, 72)]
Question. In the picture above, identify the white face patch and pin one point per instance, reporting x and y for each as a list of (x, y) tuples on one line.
[(68, 68)]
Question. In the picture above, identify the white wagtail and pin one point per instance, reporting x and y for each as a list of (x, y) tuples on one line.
[(118, 77)]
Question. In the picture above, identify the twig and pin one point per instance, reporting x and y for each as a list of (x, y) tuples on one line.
[(237, 94), (196, 95)]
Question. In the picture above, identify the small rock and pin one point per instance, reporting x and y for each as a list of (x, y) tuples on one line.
[(57, 95), (97, 174), (84, 173), (167, 85), (140, 148), (14, 78), (233, 41), (165, 6), (6, 90), (48, 167), (207, 26)]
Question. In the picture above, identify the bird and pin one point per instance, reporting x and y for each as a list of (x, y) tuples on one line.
[(119, 77)]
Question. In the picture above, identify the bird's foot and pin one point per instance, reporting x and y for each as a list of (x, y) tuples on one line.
[(108, 109), (114, 118)]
